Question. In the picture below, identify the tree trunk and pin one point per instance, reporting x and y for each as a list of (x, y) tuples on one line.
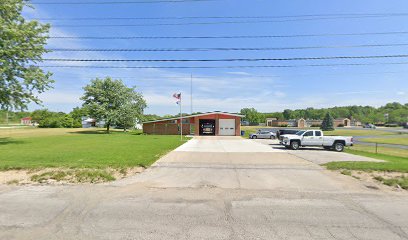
[(107, 127)]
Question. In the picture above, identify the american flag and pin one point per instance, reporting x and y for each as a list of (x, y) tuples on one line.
[(178, 97)]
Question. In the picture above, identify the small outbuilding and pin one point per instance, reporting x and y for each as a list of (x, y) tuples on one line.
[(202, 124), (26, 121)]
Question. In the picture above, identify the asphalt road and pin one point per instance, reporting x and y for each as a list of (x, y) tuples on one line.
[(210, 188)]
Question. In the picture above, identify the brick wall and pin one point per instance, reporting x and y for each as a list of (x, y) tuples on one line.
[(165, 128)]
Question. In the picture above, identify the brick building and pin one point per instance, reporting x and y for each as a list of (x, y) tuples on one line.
[(203, 124), (304, 123)]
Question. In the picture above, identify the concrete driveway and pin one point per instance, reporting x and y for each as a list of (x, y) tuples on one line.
[(210, 188)]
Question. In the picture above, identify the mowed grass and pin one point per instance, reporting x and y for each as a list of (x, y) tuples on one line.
[(338, 132), (400, 139), (392, 163), (351, 132), (398, 152), (79, 148)]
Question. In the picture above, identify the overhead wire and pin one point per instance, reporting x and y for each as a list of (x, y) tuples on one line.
[(219, 48), (362, 15), (115, 2), (221, 67), (228, 59), (232, 36)]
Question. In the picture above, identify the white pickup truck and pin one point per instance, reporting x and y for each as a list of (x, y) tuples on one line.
[(315, 138)]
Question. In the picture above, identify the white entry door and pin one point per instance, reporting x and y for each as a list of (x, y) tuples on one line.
[(227, 127)]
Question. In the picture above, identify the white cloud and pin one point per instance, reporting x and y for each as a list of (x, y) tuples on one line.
[(61, 97), (279, 94), (400, 93), (239, 73), (357, 92)]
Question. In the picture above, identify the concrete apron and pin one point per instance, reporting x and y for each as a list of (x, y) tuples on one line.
[(213, 195), (236, 163)]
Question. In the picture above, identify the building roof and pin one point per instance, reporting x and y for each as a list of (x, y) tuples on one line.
[(26, 118), (196, 115)]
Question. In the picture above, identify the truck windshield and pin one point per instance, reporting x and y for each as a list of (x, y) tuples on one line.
[(300, 133)]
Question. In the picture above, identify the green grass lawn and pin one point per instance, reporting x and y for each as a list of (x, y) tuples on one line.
[(399, 139), (393, 163), (73, 148), (398, 152), (338, 132), (350, 132)]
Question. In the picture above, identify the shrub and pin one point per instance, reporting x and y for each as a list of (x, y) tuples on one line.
[(283, 125), (340, 125), (316, 125)]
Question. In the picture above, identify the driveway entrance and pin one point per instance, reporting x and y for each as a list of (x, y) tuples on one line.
[(210, 188)]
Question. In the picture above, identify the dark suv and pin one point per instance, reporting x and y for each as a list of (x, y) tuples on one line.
[(282, 132)]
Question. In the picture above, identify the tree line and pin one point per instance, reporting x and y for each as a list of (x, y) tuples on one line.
[(395, 113)]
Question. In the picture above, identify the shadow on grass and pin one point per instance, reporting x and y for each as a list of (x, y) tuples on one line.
[(115, 131), (7, 141), (90, 132)]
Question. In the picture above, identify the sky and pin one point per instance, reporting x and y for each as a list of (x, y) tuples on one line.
[(369, 82)]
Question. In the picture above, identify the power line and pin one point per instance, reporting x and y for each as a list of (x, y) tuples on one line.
[(231, 36), (218, 48), (224, 17), (224, 67), (201, 23), (116, 2), (227, 59), (242, 77)]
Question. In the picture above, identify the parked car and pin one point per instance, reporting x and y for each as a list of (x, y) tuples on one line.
[(405, 125), (281, 132), (316, 138), (369, 125), (262, 134)]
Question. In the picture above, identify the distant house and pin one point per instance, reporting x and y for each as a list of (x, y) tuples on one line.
[(345, 122), (91, 122), (304, 123), (26, 121), (269, 121)]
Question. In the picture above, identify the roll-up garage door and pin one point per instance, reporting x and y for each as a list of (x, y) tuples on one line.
[(227, 127)]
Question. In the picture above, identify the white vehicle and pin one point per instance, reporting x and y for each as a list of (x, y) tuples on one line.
[(315, 138)]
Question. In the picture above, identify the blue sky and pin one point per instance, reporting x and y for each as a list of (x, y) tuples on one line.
[(266, 89)]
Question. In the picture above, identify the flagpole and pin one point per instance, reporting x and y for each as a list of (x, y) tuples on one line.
[(181, 122)]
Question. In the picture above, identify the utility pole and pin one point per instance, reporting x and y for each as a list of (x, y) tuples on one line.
[(191, 93), (181, 121)]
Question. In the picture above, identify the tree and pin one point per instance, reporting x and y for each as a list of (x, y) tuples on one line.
[(251, 115), (77, 113), (288, 114), (21, 48), (328, 123), (113, 102)]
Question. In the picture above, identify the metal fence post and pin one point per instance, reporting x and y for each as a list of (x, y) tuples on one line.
[(376, 148)]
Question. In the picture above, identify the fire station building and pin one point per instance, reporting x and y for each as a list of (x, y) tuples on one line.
[(203, 124)]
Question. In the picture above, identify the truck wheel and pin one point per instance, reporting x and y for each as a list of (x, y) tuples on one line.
[(272, 137), (339, 147), (254, 137), (294, 145)]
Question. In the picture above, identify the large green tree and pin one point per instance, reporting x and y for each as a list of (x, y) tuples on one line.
[(113, 102), (21, 48), (251, 115)]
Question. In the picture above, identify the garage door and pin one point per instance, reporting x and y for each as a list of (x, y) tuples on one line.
[(227, 127)]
